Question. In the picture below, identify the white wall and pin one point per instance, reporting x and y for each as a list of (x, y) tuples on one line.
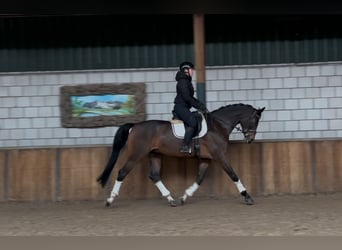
[(303, 101)]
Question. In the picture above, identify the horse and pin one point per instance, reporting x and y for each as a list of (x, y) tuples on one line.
[(150, 139)]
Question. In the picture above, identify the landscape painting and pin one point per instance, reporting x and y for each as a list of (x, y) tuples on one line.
[(98, 105), (107, 105)]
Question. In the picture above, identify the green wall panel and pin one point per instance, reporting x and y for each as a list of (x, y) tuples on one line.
[(150, 41)]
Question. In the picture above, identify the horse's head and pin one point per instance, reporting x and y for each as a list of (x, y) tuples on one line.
[(244, 114), (250, 123)]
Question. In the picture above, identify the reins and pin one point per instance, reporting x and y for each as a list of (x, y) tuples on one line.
[(245, 132)]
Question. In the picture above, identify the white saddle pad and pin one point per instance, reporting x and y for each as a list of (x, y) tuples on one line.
[(178, 128)]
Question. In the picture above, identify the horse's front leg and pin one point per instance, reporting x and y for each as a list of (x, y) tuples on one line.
[(202, 169), (155, 177), (229, 170)]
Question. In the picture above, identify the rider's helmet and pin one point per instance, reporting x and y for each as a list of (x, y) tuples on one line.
[(186, 65)]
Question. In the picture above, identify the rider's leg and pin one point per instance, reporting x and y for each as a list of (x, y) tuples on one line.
[(186, 146), (190, 124)]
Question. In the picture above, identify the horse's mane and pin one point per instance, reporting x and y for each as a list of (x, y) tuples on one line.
[(234, 105), (228, 107)]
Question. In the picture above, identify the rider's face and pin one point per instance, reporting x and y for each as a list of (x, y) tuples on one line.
[(190, 72)]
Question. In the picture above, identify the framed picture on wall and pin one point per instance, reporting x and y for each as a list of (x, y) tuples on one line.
[(100, 105)]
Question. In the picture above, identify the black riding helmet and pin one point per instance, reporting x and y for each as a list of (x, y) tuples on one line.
[(186, 65)]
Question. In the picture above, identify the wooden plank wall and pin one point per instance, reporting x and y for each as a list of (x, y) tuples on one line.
[(3, 184), (264, 168), (31, 174), (328, 165)]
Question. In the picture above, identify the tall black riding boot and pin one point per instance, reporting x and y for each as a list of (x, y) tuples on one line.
[(186, 146)]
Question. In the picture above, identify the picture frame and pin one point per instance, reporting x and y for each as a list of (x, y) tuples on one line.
[(100, 105)]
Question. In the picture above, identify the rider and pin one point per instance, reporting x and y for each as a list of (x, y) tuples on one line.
[(184, 101)]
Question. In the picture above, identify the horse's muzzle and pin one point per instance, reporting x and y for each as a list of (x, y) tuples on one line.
[(249, 138), (249, 141), (249, 135)]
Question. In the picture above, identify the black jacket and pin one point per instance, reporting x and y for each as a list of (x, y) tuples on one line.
[(185, 92)]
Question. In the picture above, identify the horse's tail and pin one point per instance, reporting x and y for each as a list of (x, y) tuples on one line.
[(119, 141)]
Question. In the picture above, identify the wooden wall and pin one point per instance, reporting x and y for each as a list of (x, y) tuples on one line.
[(265, 168)]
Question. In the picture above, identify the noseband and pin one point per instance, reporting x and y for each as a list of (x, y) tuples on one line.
[(246, 132)]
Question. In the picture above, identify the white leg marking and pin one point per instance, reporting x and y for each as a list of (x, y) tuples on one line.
[(163, 190), (169, 198), (192, 189), (239, 186), (110, 200), (115, 191), (116, 188)]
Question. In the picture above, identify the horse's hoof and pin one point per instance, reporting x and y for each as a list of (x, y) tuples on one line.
[(173, 203), (249, 201), (182, 200), (109, 201)]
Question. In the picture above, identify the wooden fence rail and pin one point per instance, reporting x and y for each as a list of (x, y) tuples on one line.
[(55, 174)]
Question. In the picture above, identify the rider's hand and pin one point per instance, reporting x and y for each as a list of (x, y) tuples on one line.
[(203, 109)]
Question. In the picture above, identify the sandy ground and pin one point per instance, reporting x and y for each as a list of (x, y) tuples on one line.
[(304, 215)]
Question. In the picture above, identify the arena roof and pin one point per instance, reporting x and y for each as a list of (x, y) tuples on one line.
[(92, 7)]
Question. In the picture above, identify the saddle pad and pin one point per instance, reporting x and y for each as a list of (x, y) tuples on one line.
[(178, 128)]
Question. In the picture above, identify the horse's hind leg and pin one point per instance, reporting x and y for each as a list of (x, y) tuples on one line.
[(155, 177), (229, 170), (202, 169), (123, 172)]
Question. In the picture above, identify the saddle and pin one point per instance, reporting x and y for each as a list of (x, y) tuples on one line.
[(178, 129), (178, 126)]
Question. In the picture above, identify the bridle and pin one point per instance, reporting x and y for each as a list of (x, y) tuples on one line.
[(246, 132)]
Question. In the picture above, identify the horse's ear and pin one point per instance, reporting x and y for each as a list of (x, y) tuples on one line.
[(260, 110)]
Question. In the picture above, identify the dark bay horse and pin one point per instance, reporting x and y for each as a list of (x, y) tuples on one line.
[(134, 142)]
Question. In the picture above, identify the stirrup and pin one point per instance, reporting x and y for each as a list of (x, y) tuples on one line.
[(185, 149)]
